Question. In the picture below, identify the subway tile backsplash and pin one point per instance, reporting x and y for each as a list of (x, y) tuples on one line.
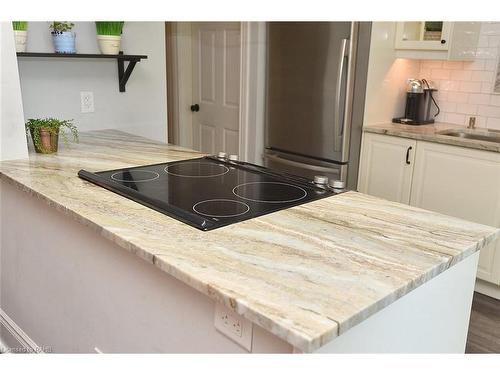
[(466, 88)]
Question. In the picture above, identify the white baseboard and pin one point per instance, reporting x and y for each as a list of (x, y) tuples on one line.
[(26, 344), (489, 289)]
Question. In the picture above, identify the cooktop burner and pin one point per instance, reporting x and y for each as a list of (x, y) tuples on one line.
[(269, 192), (133, 176), (221, 208), (196, 169), (209, 192)]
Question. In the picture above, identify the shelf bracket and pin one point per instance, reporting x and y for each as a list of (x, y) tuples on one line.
[(124, 74)]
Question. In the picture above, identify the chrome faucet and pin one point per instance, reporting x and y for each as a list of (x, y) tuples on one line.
[(472, 123)]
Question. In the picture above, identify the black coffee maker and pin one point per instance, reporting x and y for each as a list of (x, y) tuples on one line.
[(419, 103)]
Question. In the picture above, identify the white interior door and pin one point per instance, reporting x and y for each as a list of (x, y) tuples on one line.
[(216, 86)]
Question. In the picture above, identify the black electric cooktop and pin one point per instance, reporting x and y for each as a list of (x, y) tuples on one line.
[(209, 192)]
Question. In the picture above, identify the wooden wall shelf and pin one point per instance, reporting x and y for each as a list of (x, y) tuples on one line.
[(123, 73)]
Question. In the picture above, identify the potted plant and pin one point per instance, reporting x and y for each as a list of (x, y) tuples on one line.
[(109, 36), (63, 37), (20, 35), (45, 133)]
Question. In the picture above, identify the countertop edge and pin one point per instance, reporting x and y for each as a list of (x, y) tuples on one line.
[(436, 138), (415, 283)]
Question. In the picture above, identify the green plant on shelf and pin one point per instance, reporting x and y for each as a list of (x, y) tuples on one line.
[(109, 28), (20, 25), (52, 126), (61, 27)]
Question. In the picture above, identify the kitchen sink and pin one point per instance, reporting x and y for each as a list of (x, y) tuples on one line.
[(479, 135)]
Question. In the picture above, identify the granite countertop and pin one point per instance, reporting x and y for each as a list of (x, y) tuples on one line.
[(306, 274), (431, 133)]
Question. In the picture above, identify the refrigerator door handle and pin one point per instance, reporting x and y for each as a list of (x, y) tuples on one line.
[(339, 124), (349, 96), (298, 164)]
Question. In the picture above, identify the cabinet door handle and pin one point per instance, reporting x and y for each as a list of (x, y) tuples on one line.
[(408, 155)]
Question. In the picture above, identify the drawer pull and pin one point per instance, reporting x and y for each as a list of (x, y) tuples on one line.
[(408, 155)]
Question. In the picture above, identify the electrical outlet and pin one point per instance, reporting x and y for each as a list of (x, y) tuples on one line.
[(233, 326), (87, 101)]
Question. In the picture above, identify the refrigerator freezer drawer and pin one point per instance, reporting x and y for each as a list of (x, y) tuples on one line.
[(301, 167)]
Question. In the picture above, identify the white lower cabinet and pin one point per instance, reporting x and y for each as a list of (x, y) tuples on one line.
[(452, 180), (464, 183), (386, 167)]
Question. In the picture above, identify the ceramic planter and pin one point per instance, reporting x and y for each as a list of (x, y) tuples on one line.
[(64, 42), (48, 141), (109, 44), (21, 37)]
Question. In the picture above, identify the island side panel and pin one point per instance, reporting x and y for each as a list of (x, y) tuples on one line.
[(434, 318), (71, 290)]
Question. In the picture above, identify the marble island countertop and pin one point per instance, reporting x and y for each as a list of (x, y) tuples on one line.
[(431, 133), (306, 274)]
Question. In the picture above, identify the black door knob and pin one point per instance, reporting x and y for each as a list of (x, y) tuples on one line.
[(443, 41), (195, 108)]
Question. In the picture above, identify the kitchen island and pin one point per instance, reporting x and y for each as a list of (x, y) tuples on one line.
[(84, 269)]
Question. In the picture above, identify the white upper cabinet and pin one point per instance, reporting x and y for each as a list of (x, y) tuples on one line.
[(437, 40), (423, 35)]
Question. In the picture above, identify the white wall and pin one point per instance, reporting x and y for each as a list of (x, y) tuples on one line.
[(12, 135), (466, 88), (387, 75), (52, 87)]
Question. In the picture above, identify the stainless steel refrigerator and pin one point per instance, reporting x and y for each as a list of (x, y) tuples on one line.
[(316, 80)]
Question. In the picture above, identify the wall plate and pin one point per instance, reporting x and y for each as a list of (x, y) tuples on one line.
[(234, 326)]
